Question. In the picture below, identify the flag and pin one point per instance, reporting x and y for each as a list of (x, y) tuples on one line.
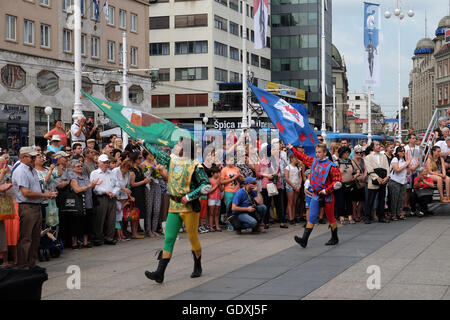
[(260, 21), (96, 9), (106, 10), (371, 43), (82, 7), (290, 119), (142, 125)]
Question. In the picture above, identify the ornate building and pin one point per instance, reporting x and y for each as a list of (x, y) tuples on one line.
[(341, 82)]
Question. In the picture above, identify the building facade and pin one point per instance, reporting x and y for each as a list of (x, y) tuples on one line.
[(340, 82), (196, 46), (358, 107), (296, 50), (36, 62)]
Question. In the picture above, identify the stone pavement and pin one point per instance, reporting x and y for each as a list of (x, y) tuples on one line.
[(413, 257)]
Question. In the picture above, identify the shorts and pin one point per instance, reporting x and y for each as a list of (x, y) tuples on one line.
[(213, 202), (307, 202), (289, 188), (118, 225)]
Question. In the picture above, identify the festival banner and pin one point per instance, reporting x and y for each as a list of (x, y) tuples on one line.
[(142, 125), (371, 43), (261, 22), (290, 119)]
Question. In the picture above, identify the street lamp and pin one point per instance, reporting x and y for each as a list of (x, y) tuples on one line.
[(400, 15), (48, 111)]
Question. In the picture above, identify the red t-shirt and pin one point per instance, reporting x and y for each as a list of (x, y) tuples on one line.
[(423, 185), (216, 194), (62, 134)]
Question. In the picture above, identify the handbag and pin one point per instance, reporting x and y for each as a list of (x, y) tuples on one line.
[(272, 189), (131, 212), (72, 203), (51, 214), (424, 192), (381, 172), (7, 210)]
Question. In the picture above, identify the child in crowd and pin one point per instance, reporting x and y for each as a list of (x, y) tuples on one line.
[(293, 176), (308, 194), (214, 199)]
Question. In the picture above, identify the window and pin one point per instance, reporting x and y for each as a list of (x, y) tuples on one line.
[(220, 23), (110, 91), (111, 51), (234, 53), (190, 47), (133, 56), (255, 60), (83, 7), (47, 82), (11, 28), (122, 19), (234, 4), (28, 32), (161, 101), (224, 2), (136, 94), (191, 100), (164, 74), (111, 13), (133, 22), (195, 20), (67, 40), (94, 10), (234, 28), (157, 22), (200, 73), (357, 107), (66, 5), (265, 63), (13, 77), (83, 44), (160, 49), (95, 44), (220, 49), (234, 76), (220, 75), (45, 2), (45, 35)]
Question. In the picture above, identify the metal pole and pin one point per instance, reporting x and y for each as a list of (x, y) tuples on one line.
[(124, 82), (48, 128), (334, 108), (324, 129), (77, 51), (369, 134), (399, 88), (244, 64)]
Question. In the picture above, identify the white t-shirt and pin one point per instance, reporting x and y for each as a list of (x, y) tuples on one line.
[(307, 184), (412, 153), (443, 146), (399, 177), (294, 175)]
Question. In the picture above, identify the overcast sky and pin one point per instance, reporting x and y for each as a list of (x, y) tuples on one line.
[(348, 37)]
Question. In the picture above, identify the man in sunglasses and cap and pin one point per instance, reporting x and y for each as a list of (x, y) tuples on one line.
[(29, 198)]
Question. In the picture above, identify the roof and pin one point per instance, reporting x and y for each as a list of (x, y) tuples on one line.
[(444, 49), (337, 61)]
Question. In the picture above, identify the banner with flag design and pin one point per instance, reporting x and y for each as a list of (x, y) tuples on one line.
[(290, 119), (141, 125), (261, 22)]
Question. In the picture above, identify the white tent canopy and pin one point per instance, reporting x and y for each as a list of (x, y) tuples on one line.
[(106, 134)]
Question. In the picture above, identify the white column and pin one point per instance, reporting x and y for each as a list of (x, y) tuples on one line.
[(77, 51), (334, 108), (399, 87), (124, 82), (324, 128), (369, 112), (244, 64)]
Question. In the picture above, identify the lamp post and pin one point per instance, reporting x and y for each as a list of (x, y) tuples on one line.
[(324, 126), (400, 15), (48, 111), (77, 57)]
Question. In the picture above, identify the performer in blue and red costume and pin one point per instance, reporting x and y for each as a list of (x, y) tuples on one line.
[(325, 179)]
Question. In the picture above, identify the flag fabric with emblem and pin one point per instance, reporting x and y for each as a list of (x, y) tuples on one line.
[(290, 119), (141, 125), (96, 9), (261, 22)]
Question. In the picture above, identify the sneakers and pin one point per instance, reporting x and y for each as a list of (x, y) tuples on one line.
[(420, 214), (202, 229)]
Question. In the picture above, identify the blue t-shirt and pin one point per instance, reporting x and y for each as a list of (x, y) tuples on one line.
[(241, 199)]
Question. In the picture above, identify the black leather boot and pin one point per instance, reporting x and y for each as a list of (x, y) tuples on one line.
[(197, 266), (303, 241), (334, 238), (158, 275)]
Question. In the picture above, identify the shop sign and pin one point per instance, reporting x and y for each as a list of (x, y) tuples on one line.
[(13, 113), (224, 124)]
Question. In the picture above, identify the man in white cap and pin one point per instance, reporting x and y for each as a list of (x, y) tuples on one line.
[(105, 212), (78, 132), (54, 144), (29, 198)]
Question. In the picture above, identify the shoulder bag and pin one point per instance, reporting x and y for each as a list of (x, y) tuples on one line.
[(72, 203)]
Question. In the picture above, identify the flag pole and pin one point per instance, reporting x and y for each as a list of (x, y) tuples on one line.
[(77, 60), (124, 82), (369, 129), (244, 65), (324, 129)]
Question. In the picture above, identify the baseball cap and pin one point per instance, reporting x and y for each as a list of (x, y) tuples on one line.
[(249, 180), (56, 137), (103, 158), (90, 140), (28, 150), (62, 154)]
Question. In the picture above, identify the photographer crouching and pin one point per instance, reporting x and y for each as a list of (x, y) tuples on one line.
[(248, 210)]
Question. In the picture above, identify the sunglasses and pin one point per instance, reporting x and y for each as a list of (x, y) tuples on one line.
[(359, 152)]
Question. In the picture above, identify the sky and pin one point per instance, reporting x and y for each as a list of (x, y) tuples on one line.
[(348, 37)]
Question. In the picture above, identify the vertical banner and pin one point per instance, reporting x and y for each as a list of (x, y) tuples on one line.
[(371, 43), (261, 22)]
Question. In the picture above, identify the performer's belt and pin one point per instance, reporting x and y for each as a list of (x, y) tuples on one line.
[(176, 198)]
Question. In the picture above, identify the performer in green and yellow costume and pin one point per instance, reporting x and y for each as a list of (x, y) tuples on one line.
[(187, 182)]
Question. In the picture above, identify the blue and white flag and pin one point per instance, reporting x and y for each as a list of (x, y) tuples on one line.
[(106, 10), (371, 43), (96, 9), (290, 119)]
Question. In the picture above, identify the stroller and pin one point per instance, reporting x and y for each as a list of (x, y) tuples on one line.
[(51, 245)]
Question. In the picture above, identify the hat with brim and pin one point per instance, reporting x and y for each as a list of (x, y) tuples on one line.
[(56, 137), (90, 140), (28, 150), (103, 158), (62, 154)]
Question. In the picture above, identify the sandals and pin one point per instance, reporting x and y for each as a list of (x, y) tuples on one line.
[(402, 218), (394, 218)]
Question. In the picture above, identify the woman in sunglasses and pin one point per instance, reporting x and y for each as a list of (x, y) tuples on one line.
[(397, 183), (358, 193)]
